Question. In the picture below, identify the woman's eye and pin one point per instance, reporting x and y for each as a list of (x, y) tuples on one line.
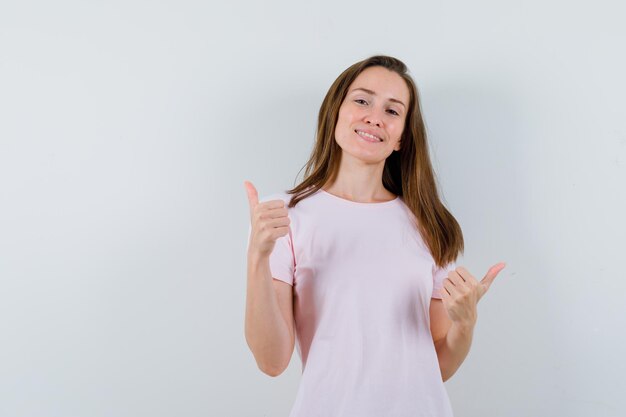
[(395, 113), (358, 100)]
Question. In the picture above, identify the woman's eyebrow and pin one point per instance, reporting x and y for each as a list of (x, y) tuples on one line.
[(373, 93)]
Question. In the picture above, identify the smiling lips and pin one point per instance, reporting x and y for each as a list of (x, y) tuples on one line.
[(368, 136)]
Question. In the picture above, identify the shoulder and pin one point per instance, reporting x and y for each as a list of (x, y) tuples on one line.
[(283, 195)]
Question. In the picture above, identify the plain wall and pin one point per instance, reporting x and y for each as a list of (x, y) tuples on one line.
[(127, 129)]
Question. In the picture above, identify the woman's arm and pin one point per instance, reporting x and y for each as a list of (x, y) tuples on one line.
[(269, 323), (452, 319), (452, 341)]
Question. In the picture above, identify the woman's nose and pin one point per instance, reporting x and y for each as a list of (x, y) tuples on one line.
[(373, 118)]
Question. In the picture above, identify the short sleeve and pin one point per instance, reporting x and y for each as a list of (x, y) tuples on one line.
[(282, 263), (439, 274)]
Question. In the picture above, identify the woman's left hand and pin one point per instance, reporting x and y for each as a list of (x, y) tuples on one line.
[(461, 292)]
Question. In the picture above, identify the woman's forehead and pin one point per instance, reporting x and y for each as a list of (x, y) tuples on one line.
[(383, 82)]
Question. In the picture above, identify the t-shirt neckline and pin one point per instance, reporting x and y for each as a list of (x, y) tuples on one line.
[(356, 203)]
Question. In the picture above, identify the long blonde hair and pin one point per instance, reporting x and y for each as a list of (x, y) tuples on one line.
[(407, 172)]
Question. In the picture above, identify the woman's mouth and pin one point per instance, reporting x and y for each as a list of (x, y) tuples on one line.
[(368, 137)]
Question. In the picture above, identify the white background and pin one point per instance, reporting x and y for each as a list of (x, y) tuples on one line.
[(127, 129)]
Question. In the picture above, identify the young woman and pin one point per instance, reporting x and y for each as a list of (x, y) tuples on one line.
[(358, 264)]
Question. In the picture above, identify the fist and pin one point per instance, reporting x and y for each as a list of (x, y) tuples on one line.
[(461, 293), (269, 221)]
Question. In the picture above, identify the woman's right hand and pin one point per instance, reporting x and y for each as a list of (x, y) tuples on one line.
[(269, 221)]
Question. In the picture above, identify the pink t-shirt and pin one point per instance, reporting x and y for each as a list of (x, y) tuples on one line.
[(362, 281)]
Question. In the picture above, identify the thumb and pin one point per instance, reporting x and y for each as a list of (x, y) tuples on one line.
[(253, 195), (491, 275)]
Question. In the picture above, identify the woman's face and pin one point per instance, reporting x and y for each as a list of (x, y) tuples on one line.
[(376, 104)]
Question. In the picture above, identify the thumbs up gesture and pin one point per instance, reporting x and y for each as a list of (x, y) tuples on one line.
[(461, 293), (269, 221)]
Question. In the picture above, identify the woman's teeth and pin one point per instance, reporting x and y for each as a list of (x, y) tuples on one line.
[(367, 135)]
